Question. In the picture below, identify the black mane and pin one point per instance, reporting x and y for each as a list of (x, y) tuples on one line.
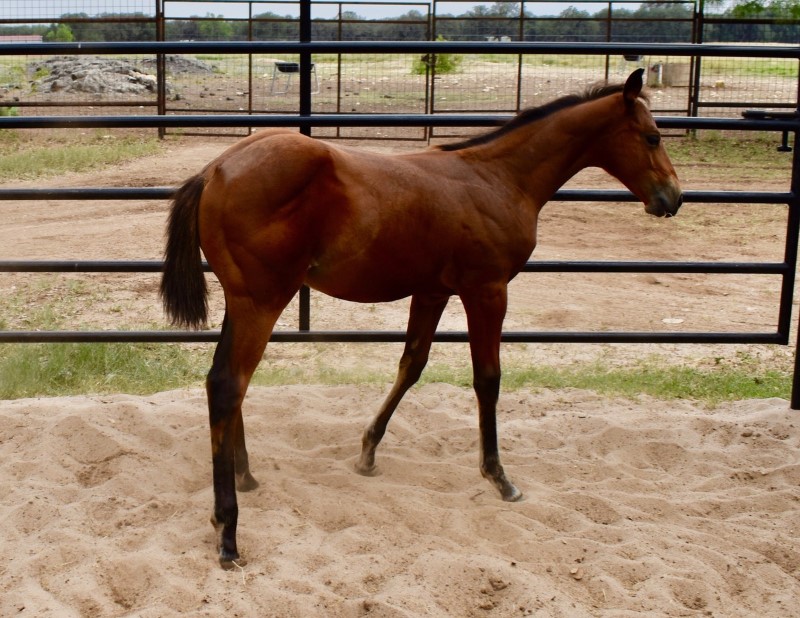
[(533, 114)]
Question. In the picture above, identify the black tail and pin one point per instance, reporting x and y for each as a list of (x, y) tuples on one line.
[(183, 284)]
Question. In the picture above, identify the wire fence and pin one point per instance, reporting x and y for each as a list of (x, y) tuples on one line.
[(391, 83)]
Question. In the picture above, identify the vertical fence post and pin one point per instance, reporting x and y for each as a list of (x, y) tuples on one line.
[(305, 110), (161, 66), (794, 214)]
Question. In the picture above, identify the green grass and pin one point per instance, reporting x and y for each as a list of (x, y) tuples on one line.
[(754, 67), (21, 158), (710, 386), (734, 150), (653, 378), (44, 370)]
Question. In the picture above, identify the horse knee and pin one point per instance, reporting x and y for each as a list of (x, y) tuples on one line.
[(411, 368), (487, 383)]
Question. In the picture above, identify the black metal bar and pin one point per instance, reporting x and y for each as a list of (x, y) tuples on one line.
[(352, 120), (398, 47), (211, 336), (304, 309), (795, 187), (564, 195), (793, 235), (730, 268), (545, 266), (82, 266), (89, 193), (304, 297)]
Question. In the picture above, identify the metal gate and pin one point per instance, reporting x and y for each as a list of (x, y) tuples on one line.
[(788, 124)]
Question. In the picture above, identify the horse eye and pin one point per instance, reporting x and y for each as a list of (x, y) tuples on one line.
[(654, 139)]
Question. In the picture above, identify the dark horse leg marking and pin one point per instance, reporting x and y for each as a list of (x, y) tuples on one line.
[(423, 318), (238, 353), (486, 309)]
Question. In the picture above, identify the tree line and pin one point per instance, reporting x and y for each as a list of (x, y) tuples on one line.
[(765, 21)]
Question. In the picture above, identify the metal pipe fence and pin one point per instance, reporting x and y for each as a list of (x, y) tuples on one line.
[(305, 120)]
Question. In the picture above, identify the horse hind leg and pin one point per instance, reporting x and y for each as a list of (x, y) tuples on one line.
[(245, 333), (241, 462), (423, 318), (214, 381)]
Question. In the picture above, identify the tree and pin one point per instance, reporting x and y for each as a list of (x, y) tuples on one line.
[(215, 28), (505, 9)]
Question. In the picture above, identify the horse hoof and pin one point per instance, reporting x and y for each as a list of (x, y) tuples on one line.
[(367, 470), (512, 494), (246, 482), (231, 564)]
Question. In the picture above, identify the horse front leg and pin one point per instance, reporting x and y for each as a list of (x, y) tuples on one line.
[(423, 318), (486, 309)]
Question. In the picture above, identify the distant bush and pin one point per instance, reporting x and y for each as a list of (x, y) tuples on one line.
[(439, 63)]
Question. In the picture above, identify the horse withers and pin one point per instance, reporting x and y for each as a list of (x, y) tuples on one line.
[(278, 210)]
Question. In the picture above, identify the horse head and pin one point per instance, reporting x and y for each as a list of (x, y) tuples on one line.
[(633, 151)]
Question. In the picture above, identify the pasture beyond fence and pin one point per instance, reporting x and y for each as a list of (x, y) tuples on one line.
[(485, 82), (786, 124)]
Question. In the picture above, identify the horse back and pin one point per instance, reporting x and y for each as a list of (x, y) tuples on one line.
[(358, 225)]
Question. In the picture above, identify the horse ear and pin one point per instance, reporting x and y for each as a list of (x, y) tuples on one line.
[(633, 87)]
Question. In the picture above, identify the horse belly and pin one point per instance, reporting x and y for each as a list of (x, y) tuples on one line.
[(373, 282)]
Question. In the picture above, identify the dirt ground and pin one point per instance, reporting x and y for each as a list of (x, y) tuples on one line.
[(634, 507)]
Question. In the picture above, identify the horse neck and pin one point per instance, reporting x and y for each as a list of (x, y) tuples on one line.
[(540, 157)]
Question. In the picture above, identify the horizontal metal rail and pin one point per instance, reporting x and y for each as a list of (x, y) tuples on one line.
[(545, 266), (352, 120), (563, 195), (343, 336), (398, 47)]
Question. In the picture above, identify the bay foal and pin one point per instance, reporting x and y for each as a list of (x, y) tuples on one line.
[(278, 210)]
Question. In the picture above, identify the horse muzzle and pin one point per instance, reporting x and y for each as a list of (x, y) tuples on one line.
[(665, 202)]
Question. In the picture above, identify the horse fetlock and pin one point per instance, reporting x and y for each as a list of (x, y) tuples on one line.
[(225, 527), (231, 562)]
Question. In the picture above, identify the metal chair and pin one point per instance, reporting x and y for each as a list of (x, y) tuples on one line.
[(288, 69)]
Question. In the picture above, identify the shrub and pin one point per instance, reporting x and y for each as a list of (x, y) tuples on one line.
[(439, 63)]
